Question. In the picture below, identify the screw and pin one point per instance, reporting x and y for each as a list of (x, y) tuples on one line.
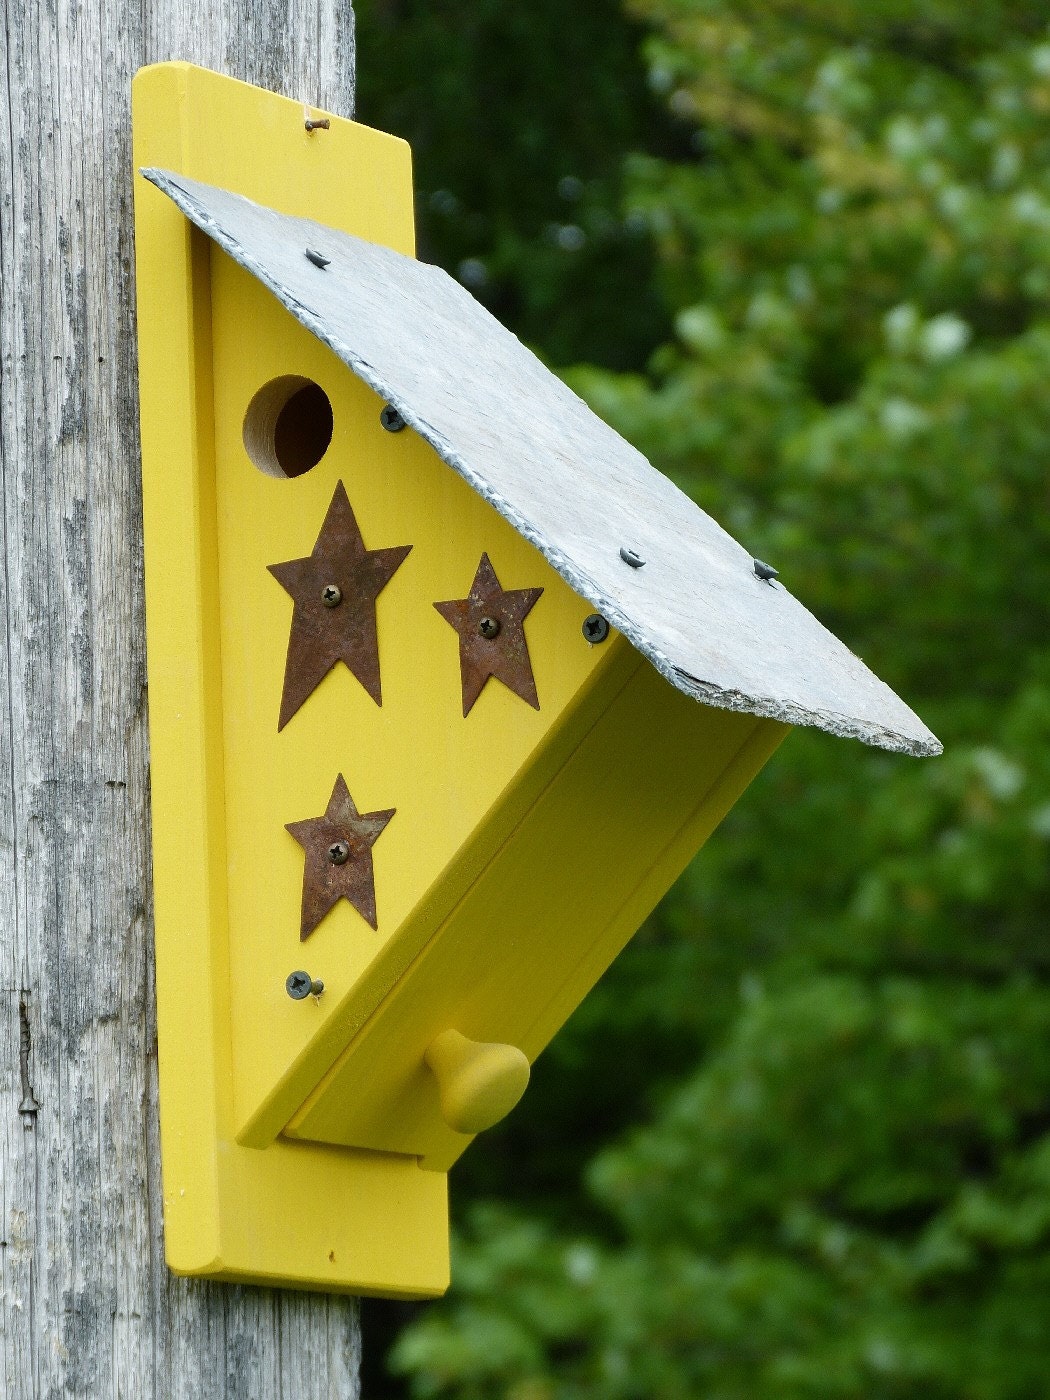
[(766, 572), (331, 595), (595, 628), (489, 627), (317, 123), (318, 259), (300, 985), (338, 852), (629, 557), (391, 419)]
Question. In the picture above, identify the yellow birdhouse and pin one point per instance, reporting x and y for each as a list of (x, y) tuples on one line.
[(447, 685)]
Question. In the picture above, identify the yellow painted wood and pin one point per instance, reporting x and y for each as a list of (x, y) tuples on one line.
[(628, 809), (307, 1141), (308, 1214), (458, 785), (255, 143), (334, 1219), (478, 1084)]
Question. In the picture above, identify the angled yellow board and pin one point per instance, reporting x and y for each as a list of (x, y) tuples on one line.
[(526, 843)]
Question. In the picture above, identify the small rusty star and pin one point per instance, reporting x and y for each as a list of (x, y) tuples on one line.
[(334, 618), (490, 623), (338, 848)]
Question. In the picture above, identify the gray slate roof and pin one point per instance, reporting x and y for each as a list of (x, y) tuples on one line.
[(570, 484)]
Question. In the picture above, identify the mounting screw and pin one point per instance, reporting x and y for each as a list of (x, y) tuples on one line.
[(300, 985), (331, 595), (489, 627), (318, 259), (317, 123), (595, 628), (391, 419), (766, 572), (629, 557), (338, 852)]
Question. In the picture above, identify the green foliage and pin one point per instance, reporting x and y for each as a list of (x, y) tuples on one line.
[(518, 118), (796, 1146)]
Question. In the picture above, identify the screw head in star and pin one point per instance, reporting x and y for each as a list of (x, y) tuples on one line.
[(490, 622), (334, 619), (338, 850)]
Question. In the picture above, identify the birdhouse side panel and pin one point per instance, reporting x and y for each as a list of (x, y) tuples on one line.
[(604, 841)]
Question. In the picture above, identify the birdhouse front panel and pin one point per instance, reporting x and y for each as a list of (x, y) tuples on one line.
[(365, 686)]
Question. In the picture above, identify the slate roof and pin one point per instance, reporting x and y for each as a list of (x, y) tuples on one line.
[(567, 481)]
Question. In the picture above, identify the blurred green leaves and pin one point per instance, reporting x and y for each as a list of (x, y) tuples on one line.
[(797, 1143), (518, 118)]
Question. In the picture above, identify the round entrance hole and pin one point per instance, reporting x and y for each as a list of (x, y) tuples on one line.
[(288, 426)]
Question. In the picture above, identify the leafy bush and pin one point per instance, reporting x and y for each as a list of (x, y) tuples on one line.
[(822, 1168)]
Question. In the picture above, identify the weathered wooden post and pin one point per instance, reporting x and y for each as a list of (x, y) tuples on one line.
[(89, 1308)]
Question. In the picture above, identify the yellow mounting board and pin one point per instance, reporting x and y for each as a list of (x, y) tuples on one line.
[(294, 1213), (303, 1140)]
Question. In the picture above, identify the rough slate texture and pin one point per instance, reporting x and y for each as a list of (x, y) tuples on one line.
[(562, 477)]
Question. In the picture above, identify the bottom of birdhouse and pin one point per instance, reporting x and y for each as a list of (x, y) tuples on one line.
[(613, 827), (308, 1216)]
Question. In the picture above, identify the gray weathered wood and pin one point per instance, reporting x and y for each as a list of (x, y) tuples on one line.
[(88, 1307)]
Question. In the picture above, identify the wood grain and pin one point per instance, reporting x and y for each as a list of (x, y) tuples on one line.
[(89, 1308)]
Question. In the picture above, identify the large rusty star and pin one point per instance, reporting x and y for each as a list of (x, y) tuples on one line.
[(338, 849), (334, 618), (490, 623)]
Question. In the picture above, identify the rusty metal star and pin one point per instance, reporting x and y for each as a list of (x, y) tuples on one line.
[(338, 848), (334, 618), (490, 623)]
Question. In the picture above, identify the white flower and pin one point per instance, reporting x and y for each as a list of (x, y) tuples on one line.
[(944, 336), (901, 418)]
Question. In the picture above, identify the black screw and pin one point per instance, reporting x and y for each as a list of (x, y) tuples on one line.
[(331, 595), (391, 419), (595, 628), (317, 123), (629, 557), (338, 852), (766, 572), (318, 259), (489, 627), (300, 985)]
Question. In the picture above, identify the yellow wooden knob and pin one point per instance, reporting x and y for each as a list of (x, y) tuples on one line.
[(478, 1083)]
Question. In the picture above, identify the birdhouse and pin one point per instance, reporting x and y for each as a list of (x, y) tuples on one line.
[(447, 685)]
